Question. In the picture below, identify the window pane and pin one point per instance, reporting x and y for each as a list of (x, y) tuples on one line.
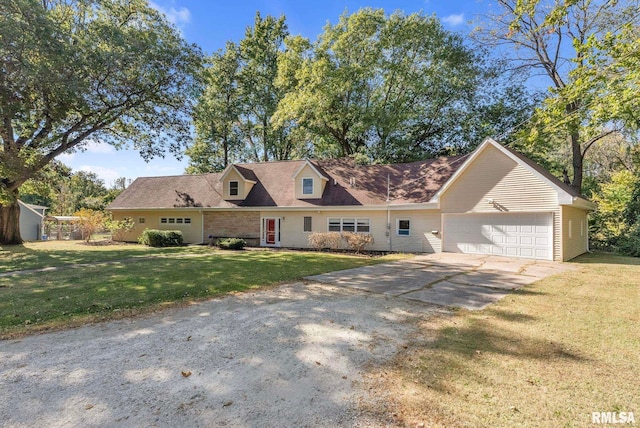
[(179, 220), (334, 225), (404, 226), (307, 186), (172, 220), (141, 220), (363, 225), (162, 220), (233, 188), (307, 224), (187, 220), (348, 225)]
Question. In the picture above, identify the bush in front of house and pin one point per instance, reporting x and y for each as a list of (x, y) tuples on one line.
[(161, 238), (321, 241), (357, 241), (231, 243)]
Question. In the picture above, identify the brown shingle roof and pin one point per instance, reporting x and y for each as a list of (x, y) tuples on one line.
[(349, 184)]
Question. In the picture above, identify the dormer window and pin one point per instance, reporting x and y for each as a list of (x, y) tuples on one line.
[(307, 186), (233, 188)]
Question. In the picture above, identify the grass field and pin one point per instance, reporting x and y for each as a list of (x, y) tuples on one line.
[(133, 284), (548, 355)]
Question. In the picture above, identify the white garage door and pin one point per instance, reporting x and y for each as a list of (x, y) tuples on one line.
[(528, 235)]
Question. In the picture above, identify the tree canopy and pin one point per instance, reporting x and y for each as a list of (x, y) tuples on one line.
[(112, 70)]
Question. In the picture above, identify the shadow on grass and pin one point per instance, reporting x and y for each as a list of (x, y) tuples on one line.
[(606, 258)]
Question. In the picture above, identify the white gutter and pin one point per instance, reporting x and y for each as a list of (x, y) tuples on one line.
[(393, 207)]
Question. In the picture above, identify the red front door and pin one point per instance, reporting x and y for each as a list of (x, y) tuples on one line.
[(271, 231)]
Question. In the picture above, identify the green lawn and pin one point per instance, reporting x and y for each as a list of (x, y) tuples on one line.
[(73, 296), (33, 255), (547, 355)]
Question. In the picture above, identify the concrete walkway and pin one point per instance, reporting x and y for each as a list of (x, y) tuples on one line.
[(446, 279)]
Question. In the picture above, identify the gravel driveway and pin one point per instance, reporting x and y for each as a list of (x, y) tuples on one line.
[(287, 356)]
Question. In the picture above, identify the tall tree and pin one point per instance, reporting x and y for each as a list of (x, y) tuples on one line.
[(259, 51), (110, 69), (217, 114), (396, 88), (567, 42)]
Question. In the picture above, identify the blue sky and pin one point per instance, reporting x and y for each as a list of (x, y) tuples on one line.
[(210, 23)]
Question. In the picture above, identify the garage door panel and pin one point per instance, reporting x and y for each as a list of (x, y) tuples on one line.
[(509, 234)]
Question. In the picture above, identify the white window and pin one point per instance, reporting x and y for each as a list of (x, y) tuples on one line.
[(361, 225), (175, 220), (404, 227), (307, 224), (307, 186), (233, 188)]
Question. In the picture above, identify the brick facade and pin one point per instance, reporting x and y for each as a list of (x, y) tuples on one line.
[(229, 224)]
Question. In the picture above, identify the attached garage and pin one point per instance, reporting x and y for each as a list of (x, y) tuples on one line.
[(526, 235)]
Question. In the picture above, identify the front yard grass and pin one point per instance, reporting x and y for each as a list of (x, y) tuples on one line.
[(69, 297), (548, 355), (33, 255)]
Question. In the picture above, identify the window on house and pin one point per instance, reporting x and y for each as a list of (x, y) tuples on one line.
[(233, 188), (141, 220), (335, 225), (404, 227), (307, 186), (175, 220), (307, 224), (361, 225)]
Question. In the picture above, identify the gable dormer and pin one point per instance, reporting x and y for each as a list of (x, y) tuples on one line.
[(309, 182), (237, 182)]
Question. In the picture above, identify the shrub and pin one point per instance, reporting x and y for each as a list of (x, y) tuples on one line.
[(231, 243), (89, 222), (357, 241), (119, 228), (161, 238), (320, 241)]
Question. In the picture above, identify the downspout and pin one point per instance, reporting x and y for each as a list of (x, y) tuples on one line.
[(202, 225), (388, 232)]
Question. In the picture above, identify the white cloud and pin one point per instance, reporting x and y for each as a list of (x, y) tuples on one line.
[(108, 175), (178, 16), (66, 157), (454, 19), (94, 146)]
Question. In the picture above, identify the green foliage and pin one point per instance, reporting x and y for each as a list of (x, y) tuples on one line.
[(231, 243), (588, 50), (119, 228), (89, 222), (113, 71), (161, 238)]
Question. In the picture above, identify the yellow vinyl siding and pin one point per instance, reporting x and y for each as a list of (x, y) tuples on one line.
[(421, 239), (512, 188), (243, 187), (574, 240), (318, 183), (192, 233)]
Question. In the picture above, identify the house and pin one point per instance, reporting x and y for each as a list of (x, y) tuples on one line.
[(31, 221), (491, 201)]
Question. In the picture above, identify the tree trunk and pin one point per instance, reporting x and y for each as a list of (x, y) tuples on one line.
[(578, 158), (10, 222)]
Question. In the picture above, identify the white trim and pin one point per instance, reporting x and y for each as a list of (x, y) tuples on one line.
[(398, 220), (263, 231), (398, 207), (23, 205), (313, 186), (306, 162), (233, 167), (237, 187)]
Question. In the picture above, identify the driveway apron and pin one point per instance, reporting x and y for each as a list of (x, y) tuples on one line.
[(446, 279)]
